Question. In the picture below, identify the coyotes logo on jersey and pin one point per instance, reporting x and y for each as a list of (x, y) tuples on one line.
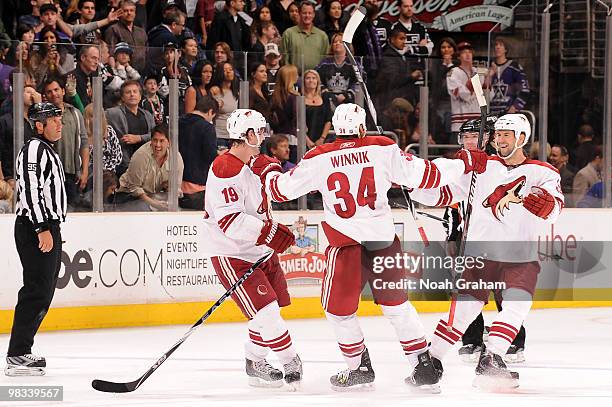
[(504, 195)]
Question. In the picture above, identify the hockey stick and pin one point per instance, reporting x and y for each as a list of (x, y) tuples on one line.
[(482, 102), (113, 387), (347, 39)]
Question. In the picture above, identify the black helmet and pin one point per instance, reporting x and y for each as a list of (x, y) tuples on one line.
[(40, 112), (473, 125)]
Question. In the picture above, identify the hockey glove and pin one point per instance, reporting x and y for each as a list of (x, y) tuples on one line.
[(263, 164), (276, 236), (539, 202), (474, 160)]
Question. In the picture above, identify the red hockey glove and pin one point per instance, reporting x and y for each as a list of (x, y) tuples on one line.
[(539, 202), (474, 160), (263, 164), (276, 236)]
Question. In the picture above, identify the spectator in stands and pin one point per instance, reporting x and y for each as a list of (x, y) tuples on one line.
[(279, 10), (126, 31), (589, 175), (397, 74), (272, 59), (559, 157), (131, 123), (397, 117), (294, 13), (228, 26), (586, 146), (123, 57), (173, 70), (33, 20), (198, 147), (169, 31), (417, 39), (279, 149), (189, 53), (334, 19), (534, 151), (266, 34), (49, 17), (258, 93), (304, 44), (414, 125), (26, 33), (318, 114), (23, 63), (159, 9), (440, 99), (225, 90), (86, 15), (204, 15), (283, 102), (88, 67), (73, 148), (111, 149), (202, 76), (223, 53), (593, 198), (464, 105), (337, 75), (151, 101), (381, 24), (507, 82), (260, 16), (6, 196), (144, 185), (367, 45), (53, 58), (30, 96)]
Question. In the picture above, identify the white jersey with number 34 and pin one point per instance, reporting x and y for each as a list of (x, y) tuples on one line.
[(353, 176)]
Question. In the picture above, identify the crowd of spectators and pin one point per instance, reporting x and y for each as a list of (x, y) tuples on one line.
[(282, 48)]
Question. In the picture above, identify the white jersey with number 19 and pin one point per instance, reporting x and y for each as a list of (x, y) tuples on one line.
[(353, 176)]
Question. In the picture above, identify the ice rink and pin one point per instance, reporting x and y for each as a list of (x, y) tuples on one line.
[(569, 362)]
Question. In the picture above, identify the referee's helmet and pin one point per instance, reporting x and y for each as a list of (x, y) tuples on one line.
[(40, 112)]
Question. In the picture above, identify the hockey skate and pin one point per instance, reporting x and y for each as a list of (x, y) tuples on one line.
[(361, 378), (492, 373), (514, 355), (470, 353), (262, 374), (293, 372), (485, 333), (25, 365), (425, 376)]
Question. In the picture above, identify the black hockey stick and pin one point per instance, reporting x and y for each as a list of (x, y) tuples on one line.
[(113, 387), (347, 39), (482, 102)]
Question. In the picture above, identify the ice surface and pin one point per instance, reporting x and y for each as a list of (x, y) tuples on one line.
[(569, 362)]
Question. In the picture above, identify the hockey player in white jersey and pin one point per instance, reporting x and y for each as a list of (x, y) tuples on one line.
[(514, 200), (240, 230), (353, 175)]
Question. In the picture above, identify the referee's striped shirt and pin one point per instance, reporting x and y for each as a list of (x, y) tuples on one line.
[(41, 195)]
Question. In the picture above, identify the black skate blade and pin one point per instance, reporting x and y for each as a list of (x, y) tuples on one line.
[(112, 387), (495, 383), (356, 388)]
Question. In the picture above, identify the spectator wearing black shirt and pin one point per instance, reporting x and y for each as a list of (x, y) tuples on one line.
[(440, 98), (131, 123), (258, 94), (280, 11), (586, 147), (202, 77), (189, 53), (151, 101), (86, 69), (267, 33), (173, 70), (228, 26), (333, 19), (272, 59), (366, 42), (318, 113), (417, 39), (283, 102), (198, 147), (169, 31), (559, 157)]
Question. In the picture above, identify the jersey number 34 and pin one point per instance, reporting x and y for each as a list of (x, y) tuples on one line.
[(339, 183)]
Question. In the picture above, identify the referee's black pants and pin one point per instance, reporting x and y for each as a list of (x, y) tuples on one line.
[(40, 272)]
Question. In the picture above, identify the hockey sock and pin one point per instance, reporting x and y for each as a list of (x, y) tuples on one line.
[(273, 332), (466, 311), (255, 348), (515, 307), (349, 337), (408, 328)]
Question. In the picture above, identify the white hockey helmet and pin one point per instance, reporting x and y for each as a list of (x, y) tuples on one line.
[(240, 121), (517, 123), (348, 119)]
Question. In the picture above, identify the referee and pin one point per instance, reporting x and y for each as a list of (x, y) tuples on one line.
[(41, 206)]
